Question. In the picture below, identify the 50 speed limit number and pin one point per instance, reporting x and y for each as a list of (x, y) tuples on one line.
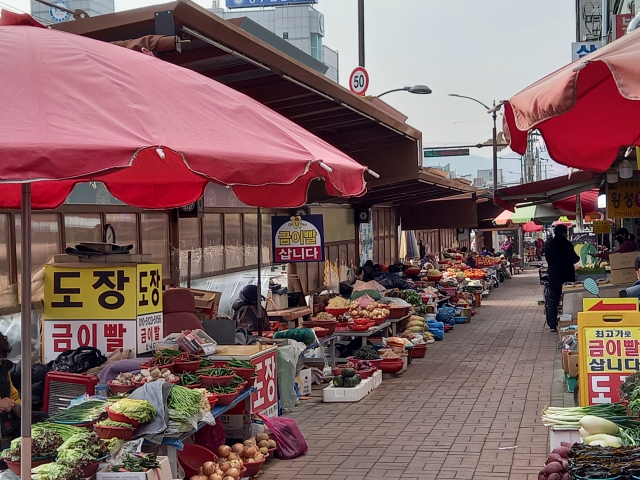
[(359, 81)]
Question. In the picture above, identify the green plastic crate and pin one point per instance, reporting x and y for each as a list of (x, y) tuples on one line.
[(571, 382)]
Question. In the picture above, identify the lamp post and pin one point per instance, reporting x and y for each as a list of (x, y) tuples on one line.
[(494, 112), (417, 89)]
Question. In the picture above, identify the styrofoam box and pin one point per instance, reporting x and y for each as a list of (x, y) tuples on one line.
[(163, 473), (377, 378), (557, 436), (353, 394)]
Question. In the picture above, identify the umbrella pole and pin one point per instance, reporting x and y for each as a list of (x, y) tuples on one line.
[(25, 333), (259, 271)]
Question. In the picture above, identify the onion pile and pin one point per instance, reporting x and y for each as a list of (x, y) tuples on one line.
[(209, 471), (255, 448)]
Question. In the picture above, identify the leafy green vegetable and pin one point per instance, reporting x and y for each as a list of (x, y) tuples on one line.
[(367, 353), (82, 449), (44, 443), (137, 463), (629, 385), (55, 471), (113, 423), (81, 413), (65, 431), (140, 410)]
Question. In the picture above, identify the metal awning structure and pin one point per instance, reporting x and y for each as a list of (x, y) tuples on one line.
[(222, 51), (547, 191)]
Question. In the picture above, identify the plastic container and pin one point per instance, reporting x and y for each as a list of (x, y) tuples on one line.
[(252, 469), (118, 417), (35, 462), (217, 381), (190, 366), (113, 432), (251, 381), (336, 312), (120, 389), (392, 367), (197, 385), (90, 469), (419, 350), (227, 398), (193, 457), (460, 319), (245, 373)]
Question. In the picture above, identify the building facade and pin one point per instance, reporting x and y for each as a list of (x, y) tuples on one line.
[(300, 25), (485, 177), (49, 15)]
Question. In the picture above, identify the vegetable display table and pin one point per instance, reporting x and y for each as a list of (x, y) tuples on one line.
[(366, 333), (265, 398)]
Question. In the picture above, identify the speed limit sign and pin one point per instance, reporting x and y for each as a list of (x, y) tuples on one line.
[(359, 81)]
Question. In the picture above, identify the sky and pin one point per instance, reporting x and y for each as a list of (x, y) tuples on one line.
[(489, 50)]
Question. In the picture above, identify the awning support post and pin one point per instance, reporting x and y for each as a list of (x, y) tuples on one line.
[(25, 333)]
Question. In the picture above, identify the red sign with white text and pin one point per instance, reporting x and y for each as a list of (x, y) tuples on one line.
[(622, 22)]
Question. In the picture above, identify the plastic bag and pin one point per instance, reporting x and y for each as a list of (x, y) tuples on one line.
[(211, 436), (291, 442)]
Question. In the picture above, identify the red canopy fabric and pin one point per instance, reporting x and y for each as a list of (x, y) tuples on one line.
[(77, 109), (589, 201), (586, 110), (532, 226)]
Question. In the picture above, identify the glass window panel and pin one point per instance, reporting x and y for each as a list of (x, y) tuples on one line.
[(82, 227), (213, 249), (266, 239), (126, 227), (154, 232), (4, 250), (233, 251), (45, 240), (190, 242), (250, 239)]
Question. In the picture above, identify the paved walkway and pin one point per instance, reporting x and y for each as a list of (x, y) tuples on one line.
[(450, 415)]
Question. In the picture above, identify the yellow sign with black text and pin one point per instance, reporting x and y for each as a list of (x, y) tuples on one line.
[(601, 227), (623, 199)]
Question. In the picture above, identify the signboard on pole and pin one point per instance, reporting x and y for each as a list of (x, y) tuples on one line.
[(106, 307), (298, 239), (623, 199), (601, 227), (359, 81), (264, 3), (444, 152)]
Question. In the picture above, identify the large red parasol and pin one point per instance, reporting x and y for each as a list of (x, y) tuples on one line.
[(588, 200), (586, 111), (77, 110)]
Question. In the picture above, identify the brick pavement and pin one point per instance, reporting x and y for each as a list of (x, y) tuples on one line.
[(447, 417)]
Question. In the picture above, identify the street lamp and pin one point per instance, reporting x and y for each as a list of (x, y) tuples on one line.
[(494, 112), (417, 89)]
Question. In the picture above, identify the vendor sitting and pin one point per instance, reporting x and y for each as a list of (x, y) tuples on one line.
[(9, 397), (245, 311), (471, 260), (634, 290), (626, 241)]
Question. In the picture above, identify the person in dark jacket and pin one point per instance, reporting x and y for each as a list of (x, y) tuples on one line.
[(561, 258), (369, 271), (625, 240), (245, 311)]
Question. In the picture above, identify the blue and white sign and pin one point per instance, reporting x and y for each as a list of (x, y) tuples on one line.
[(58, 15), (580, 49), (264, 3)]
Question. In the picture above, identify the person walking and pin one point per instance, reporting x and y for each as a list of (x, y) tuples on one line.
[(561, 258), (507, 248), (539, 245)]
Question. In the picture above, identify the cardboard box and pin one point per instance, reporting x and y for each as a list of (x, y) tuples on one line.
[(625, 276), (565, 361), (163, 473), (620, 261), (206, 299), (572, 363)]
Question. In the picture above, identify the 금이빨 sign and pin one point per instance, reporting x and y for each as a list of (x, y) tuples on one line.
[(611, 355), (298, 239), (106, 307)]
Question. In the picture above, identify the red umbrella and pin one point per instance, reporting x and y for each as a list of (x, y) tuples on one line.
[(588, 199), (153, 132), (586, 110), (532, 226), (78, 110)]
